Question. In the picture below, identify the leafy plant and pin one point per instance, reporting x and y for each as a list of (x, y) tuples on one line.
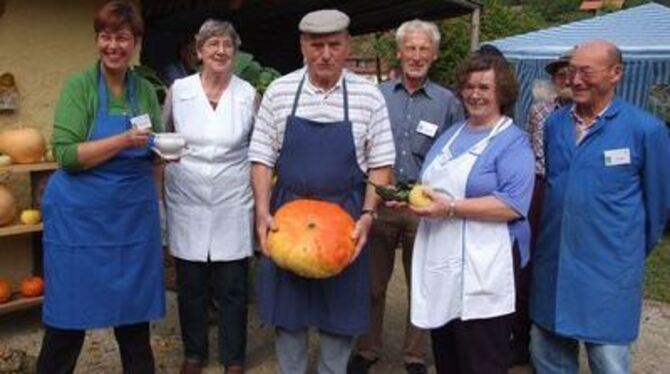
[(153, 78), (250, 70)]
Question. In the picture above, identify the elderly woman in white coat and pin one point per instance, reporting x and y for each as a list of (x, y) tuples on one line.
[(209, 199), (480, 173)]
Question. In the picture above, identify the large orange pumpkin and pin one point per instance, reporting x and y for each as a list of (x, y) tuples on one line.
[(25, 145), (313, 238), (32, 287), (5, 291)]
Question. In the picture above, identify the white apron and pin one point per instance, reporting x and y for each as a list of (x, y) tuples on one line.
[(208, 192), (460, 268)]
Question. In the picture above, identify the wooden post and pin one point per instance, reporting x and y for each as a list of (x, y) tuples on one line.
[(474, 28)]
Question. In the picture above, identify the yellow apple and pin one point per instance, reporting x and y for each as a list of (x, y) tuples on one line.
[(417, 198), (31, 217)]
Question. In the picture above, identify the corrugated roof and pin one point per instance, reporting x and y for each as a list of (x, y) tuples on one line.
[(640, 32)]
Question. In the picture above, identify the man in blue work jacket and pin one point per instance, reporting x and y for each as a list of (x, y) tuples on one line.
[(605, 208)]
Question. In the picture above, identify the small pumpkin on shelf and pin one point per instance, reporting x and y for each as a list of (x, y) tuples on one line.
[(5, 291), (30, 217), (5, 160), (32, 287), (7, 206)]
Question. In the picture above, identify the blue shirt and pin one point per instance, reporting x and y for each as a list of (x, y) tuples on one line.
[(506, 170), (604, 210), (431, 103)]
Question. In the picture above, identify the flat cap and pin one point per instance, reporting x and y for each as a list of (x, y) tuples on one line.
[(324, 21)]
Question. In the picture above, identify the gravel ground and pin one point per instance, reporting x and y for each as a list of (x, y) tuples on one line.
[(22, 331)]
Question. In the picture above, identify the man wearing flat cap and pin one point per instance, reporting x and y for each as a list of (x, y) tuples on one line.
[(558, 94), (324, 130)]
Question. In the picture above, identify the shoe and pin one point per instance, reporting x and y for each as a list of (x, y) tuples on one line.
[(191, 367), (520, 353), (359, 364), (416, 368)]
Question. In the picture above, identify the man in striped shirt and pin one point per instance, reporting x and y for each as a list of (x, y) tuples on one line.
[(324, 130)]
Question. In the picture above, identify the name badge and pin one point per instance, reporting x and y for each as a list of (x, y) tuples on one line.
[(142, 122), (614, 157), (426, 128)]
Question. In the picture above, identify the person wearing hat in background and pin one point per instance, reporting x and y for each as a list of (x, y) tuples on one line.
[(420, 111), (557, 94), (324, 130)]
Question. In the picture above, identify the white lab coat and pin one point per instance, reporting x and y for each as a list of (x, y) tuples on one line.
[(208, 194), (461, 268)]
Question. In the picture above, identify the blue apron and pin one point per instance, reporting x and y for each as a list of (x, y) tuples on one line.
[(102, 248), (318, 161)]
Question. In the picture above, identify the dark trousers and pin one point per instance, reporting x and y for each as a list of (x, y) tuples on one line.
[(392, 230), (230, 291), (473, 347), (521, 326), (61, 348)]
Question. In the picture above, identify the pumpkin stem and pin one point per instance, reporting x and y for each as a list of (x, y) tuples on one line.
[(311, 225)]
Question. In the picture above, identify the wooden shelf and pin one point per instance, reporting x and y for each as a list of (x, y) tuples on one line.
[(19, 303), (19, 229), (40, 166)]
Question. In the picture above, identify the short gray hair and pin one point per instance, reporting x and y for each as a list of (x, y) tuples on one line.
[(418, 25), (212, 28)]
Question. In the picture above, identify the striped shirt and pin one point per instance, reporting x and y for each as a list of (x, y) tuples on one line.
[(372, 134)]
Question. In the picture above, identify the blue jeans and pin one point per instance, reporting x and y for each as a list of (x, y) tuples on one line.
[(292, 347), (554, 354)]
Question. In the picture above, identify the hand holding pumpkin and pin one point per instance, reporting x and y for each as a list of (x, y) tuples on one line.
[(264, 224), (360, 234)]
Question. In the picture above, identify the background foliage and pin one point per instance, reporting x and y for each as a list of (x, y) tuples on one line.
[(500, 18)]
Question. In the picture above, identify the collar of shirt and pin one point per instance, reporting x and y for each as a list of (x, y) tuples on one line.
[(579, 121), (427, 87), (314, 90)]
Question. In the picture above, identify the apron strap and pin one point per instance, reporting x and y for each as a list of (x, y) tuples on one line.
[(344, 94), (297, 96), (131, 93)]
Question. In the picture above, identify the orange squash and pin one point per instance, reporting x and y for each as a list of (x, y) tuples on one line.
[(313, 238), (7, 206), (5, 291), (25, 145), (32, 287)]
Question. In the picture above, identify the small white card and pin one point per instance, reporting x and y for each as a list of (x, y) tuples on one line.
[(142, 122), (614, 157), (426, 128)]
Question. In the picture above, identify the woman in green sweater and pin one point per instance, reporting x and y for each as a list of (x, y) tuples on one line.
[(102, 249)]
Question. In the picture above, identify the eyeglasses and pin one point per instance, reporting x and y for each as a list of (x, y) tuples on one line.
[(216, 43), (122, 38), (586, 72)]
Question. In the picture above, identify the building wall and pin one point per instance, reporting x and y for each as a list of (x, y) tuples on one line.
[(41, 43)]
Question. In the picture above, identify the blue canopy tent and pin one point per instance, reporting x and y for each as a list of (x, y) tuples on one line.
[(642, 33)]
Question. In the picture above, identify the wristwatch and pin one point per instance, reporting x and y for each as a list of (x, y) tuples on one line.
[(371, 212)]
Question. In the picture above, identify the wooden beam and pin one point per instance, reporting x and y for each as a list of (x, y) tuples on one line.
[(474, 29)]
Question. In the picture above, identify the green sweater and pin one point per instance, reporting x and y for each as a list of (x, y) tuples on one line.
[(77, 107)]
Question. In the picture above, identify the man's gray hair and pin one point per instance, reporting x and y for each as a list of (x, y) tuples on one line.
[(418, 25), (212, 28)]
